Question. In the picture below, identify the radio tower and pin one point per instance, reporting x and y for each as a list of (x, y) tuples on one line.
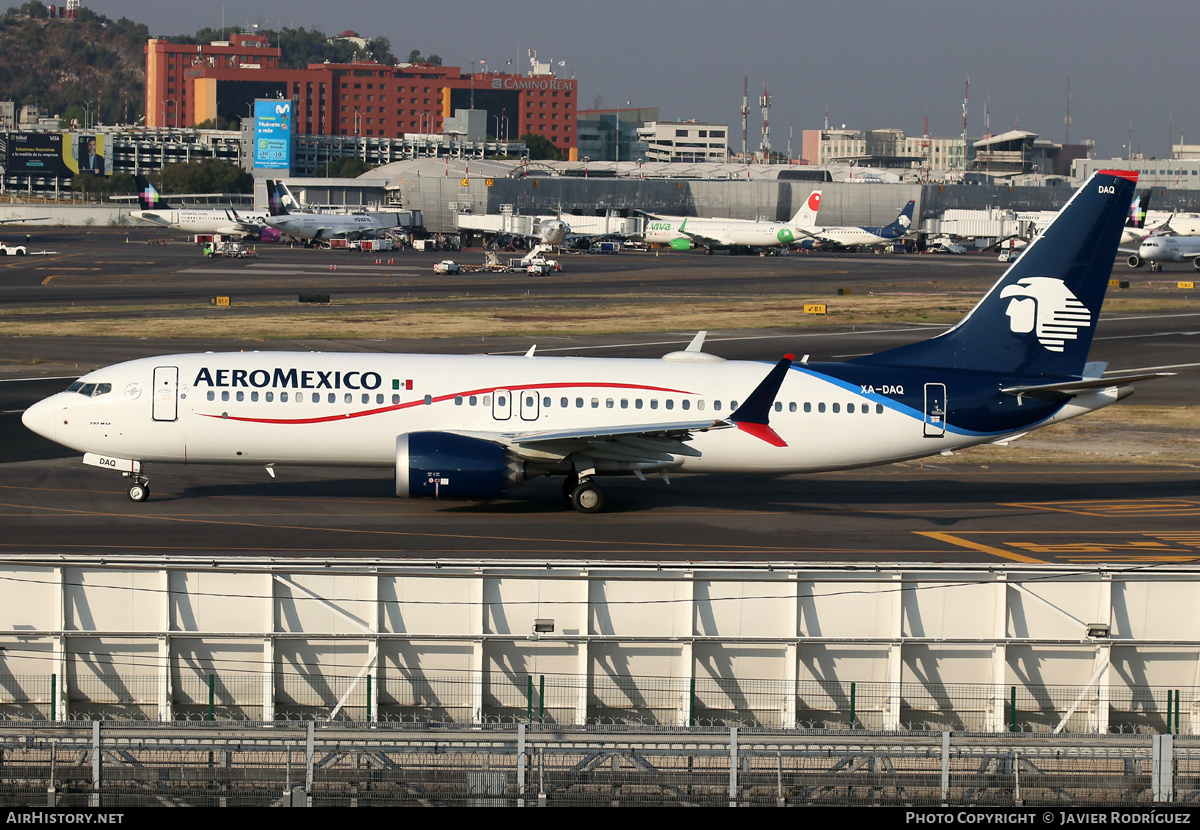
[(745, 115), (765, 103), (966, 86), (1067, 120)]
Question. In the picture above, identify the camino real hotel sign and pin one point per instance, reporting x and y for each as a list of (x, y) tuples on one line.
[(273, 134), (544, 84)]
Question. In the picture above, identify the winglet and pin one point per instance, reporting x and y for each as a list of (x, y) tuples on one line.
[(753, 415)]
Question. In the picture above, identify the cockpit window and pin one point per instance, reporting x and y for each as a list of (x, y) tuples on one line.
[(90, 390)]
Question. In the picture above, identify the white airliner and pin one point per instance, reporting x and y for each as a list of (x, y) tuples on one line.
[(852, 236), (685, 233), (156, 211), (473, 426), (1159, 249), (310, 227)]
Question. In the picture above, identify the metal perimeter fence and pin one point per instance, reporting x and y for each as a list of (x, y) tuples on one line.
[(126, 766), (569, 701)]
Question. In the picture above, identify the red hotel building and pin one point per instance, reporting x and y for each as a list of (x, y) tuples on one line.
[(189, 84)]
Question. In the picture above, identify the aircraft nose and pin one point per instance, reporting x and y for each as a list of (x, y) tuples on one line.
[(43, 417)]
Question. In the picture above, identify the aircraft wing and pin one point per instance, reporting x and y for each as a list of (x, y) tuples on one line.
[(644, 443), (705, 240), (245, 228), (1068, 389), (20, 221)]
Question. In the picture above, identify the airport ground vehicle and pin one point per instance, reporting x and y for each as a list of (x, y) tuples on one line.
[(447, 266), (12, 250)]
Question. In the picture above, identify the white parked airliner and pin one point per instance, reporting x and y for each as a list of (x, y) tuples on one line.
[(682, 233), (156, 211), (472, 426)]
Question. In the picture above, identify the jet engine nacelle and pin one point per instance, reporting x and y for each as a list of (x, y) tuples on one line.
[(456, 466), (552, 232), (681, 244), (1135, 261)]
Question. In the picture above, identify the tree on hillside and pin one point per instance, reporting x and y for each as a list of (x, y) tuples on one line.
[(415, 57)]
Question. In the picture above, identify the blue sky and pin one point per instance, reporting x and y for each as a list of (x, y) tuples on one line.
[(1132, 65)]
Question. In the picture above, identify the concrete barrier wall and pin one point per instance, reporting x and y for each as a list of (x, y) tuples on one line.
[(889, 648)]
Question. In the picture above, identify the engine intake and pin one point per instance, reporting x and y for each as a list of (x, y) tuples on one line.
[(455, 466)]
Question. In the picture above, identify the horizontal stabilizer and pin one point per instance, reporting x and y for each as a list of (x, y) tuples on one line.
[(1068, 389)]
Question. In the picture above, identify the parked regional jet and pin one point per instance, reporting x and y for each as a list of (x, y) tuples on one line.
[(311, 227), (859, 237), (685, 233), (156, 211), (473, 426)]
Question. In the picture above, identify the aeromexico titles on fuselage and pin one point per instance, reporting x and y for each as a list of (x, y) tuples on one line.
[(290, 378)]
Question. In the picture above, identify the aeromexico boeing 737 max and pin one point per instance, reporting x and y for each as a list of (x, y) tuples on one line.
[(473, 426)]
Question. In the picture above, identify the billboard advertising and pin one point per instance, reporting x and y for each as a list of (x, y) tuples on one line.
[(273, 134), (61, 155)]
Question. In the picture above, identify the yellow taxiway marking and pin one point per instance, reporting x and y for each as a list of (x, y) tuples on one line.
[(1115, 508), (1083, 546), (965, 543)]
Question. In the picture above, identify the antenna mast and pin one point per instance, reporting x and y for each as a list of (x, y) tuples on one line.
[(765, 103), (745, 114), (966, 86), (1067, 120)]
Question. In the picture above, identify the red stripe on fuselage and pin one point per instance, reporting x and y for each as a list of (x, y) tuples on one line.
[(441, 398)]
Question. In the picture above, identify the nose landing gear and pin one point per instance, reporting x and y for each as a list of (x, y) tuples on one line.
[(139, 487)]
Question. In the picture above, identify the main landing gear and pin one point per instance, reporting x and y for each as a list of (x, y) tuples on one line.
[(585, 495), (139, 487)]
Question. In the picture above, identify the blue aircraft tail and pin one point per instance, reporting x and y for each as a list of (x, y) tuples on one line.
[(148, 196), (901, 225), (1038, 320)]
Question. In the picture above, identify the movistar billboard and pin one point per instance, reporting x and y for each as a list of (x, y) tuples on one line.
[(273, 134)]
